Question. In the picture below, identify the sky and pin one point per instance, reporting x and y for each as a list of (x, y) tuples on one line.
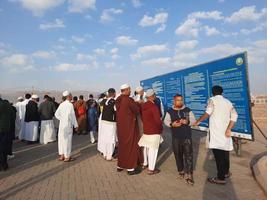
[(96, 44)]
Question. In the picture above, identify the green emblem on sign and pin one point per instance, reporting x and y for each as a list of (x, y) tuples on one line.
[(239, 61)]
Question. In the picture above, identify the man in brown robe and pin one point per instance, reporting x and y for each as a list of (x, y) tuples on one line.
[(129, 153), (80, 110)]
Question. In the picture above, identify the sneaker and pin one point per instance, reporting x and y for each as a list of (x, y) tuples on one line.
[(134, 172)]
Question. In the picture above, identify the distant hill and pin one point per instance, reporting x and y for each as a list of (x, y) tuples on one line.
[(13, 95)]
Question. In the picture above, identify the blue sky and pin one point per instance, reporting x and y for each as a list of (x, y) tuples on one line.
[(96, 44)]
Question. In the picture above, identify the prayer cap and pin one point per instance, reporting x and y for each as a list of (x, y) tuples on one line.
[(34, 96), (20, 98), (125, 86), (139, 89), (150, 92), (66, 93)]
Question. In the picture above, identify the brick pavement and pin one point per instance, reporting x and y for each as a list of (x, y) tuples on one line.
[(35, 174)]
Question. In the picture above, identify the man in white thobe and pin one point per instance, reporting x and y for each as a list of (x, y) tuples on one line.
[(22, 112), (109, 126), (151, 138), (100, 143), (32, 120), (222, 117), (47, 110), (18, 107), (139, 97), (67, 120)]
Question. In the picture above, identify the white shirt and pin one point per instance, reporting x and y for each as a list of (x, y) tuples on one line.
[(23, 109), (66, 116), (221, 112)]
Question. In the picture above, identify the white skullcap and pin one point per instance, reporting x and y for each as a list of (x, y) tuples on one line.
[(125, 86), (150, 92), (139, 89), (34, 96), (66, 93), (20, 98)]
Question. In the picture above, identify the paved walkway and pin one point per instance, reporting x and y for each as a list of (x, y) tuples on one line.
[(35, 174)]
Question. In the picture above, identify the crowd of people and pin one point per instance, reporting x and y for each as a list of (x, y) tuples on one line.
[(129, 128)]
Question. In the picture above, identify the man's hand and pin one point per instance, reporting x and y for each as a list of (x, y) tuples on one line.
[(196, 123), (184, 121), (76, 129), (176, 124), (228, 133)]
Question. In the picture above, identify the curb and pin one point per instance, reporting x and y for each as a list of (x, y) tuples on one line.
[(258, 166)]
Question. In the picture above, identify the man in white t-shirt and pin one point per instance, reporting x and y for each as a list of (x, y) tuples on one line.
[(222, 117)]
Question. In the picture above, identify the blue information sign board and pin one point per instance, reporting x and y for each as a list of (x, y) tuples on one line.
[(195, 85)]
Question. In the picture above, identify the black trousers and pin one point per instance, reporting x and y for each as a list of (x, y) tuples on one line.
[(183, 152), (222, 162), (4, 139), (10, 145)]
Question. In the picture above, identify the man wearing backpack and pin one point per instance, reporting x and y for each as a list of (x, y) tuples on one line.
[(80, 107)]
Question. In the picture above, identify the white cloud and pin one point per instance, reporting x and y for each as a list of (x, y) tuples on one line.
[(114, 50), (190, 27), (126, 40), (257, 52), (99, 51), (17, 62), (110, 64), (58, 23), (81, 57), (38, 7), (44, 54), (158, 19), (248, 13), (78, 6), (78, 39), (114, 53), (136, 3), (215, 15), (161, 28), (115, 57), (162, 61), (64, 67), (108, 14), (211, 31), (149, 50), (187, 44), (257, 28), (182, 59), (3, 48)]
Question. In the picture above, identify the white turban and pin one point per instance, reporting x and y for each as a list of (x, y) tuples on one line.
[(20, 98), (125, 86), (139, 89), (34, 96), (66, 93), (150, 92)]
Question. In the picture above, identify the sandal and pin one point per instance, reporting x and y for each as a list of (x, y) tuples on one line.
[(189, 181), (228, 175), (144, 166), (181, 175), (216, 181), (119, 169), (152, 172), (69, 159), (61, 158)]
